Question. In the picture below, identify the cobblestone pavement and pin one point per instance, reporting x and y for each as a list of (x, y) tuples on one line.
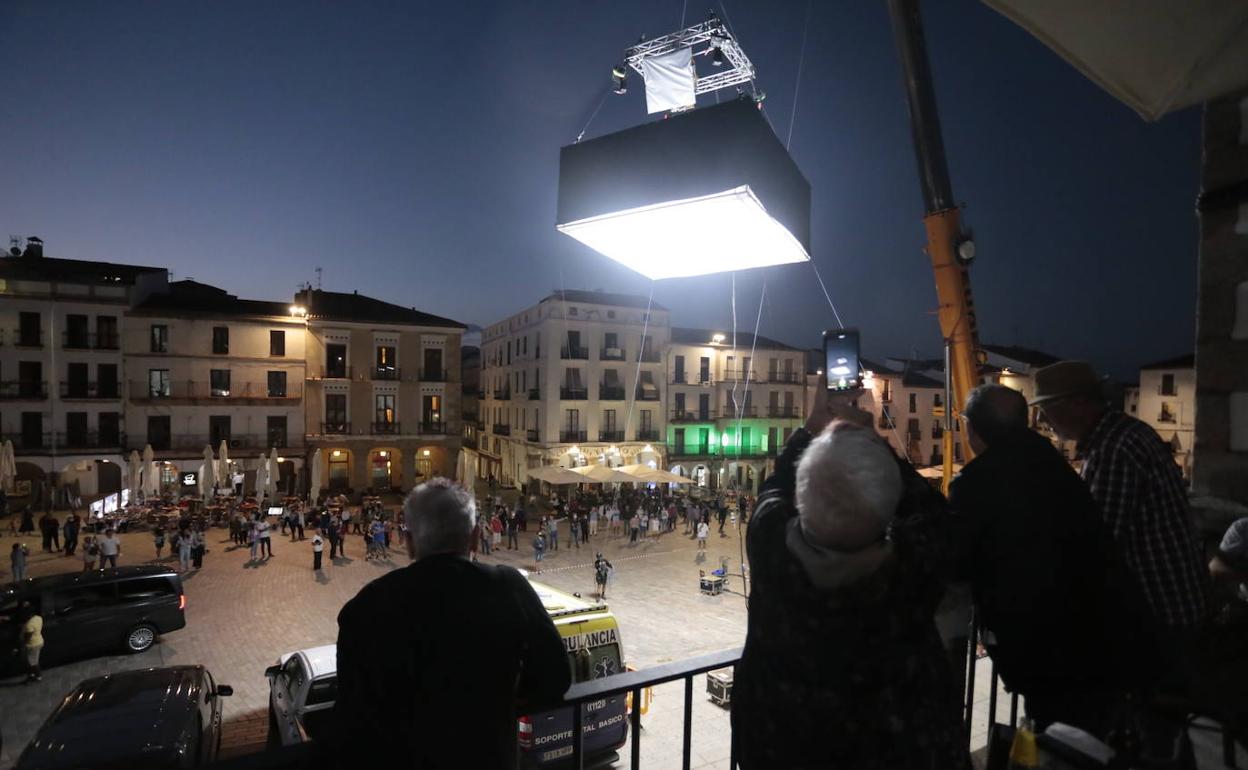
[(242, 615)]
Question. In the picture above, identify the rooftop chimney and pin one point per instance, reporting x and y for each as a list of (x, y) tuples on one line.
[(34, 247)]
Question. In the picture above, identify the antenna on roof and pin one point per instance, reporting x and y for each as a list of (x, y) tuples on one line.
[(15, 246), (318, 272)]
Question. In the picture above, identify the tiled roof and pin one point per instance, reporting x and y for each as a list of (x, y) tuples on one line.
[(602, 298), (1181, 362), (79, 270), (745, 340), (1028, 356), (195, 298), (356, 307)]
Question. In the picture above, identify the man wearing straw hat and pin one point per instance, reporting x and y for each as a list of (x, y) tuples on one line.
[(1135, 480)]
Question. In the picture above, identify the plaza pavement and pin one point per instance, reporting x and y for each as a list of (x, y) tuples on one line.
[(242, 615)]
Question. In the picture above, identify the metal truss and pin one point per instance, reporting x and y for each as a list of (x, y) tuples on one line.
[(712, 33)]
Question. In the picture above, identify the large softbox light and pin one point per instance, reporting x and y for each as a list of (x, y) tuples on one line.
[(705, 191)]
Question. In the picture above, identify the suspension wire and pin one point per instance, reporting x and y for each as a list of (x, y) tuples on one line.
[(734, 339), (801, 59), (683, 9), (605, 93), (826, 296), (645, 327), (753, 346)]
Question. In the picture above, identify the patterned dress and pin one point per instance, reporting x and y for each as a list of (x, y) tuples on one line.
[(854, 676)]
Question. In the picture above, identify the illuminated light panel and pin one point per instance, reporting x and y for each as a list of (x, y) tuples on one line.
[(730, 230)]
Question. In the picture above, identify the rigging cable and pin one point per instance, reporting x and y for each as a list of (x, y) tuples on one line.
[(632, 399), (605, 92), (797, 85)]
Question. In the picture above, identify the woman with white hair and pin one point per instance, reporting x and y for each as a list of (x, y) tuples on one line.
[(843, 666)]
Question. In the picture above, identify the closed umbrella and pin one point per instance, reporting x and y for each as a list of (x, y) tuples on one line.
[(273, 476), (314, 489), (8, 465), (151, 482), (207, 473), (223, 463), (135, 466), (262, 477)]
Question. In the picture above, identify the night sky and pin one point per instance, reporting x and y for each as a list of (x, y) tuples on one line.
[(411, 150)]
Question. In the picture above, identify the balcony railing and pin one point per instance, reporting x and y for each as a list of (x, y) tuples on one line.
[(610, 392), (79, 389), (740, 375), (1166, 417), (90, 341), (691, 415), (23, 389), (612, 354), (337, 373), (501, 430), (647, 435), (611, 435), (784, 412), (650, 356), (91, 439), (393, 373), (690, 450), (26, 338), (734, 411), (644, 395), (535, 394), (502, 395), (389, 428), (578, 353), (433, 427), (333, 427), (532, 434), (784, 378), (574, 394), (197, 389), (691, 378), (434, 375), (197, 441), (572, 436)]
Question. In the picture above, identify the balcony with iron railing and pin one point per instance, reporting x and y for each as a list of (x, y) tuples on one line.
[(91, 439), (611, 435), (574, 353), (503, 394), (23, 390), (734, 411), (194, 390), (71, 389), (783, 378), (335, 427), (572, 436), (386, 428), (195, 442), (387, 373), (690, 450), (533, 434), (691, 378), (337, 372), (26, 338), (612, 354), (501, 430), (740, 375), (650, 356), (430, 374), (432, 428), (692, 415), (642, 394), (648, 435), (610, 392), (535, 394), (783, 412), (574, 394)]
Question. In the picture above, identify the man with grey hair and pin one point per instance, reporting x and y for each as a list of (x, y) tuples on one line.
[(411, 690), (843, 666)]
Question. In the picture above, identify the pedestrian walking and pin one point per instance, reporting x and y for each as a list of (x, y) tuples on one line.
[(318, 546), (158, 539), (634, 529), (496, 531), (703, 531), (110, 548), (90, 553), (574, 530), (197, 549), (602, 573), (593, 519), (266, 537), (513, 542), (253, 538), (70, 529), (184, 551), (539, 551), (17, 561)]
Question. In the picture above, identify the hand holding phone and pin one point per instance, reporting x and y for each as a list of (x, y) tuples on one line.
[(841, 361)]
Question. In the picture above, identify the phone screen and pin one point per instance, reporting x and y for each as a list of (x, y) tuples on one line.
[(840, 352)]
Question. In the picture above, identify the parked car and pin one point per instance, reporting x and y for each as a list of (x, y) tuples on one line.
[(92, 613), (303, 686), (151, 719)]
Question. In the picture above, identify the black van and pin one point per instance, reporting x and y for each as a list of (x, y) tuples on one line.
[(100, 612)]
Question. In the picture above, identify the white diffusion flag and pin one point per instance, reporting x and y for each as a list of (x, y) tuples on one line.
[(670, 81)]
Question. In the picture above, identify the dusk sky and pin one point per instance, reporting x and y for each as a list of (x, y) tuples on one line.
[(411, 151)]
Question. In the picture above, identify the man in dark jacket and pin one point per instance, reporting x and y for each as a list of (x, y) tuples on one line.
[(1053, 597), (412, 690), (843, 666)]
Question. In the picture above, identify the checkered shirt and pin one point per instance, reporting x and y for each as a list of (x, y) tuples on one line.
[(1133, 476)]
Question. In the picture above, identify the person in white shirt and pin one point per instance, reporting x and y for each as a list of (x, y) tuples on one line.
[(110, 549), (318, 546), (266, 541), (703, 531)]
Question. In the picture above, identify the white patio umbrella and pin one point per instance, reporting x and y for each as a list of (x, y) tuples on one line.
[(1155, 56), (601, 474), (552, 474), (151, 481), (314, 488), (207, 474), (8, 465), (223, 462), (135, 468), (274, 473)]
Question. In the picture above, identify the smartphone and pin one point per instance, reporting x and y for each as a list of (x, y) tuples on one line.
[(840, 356)]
